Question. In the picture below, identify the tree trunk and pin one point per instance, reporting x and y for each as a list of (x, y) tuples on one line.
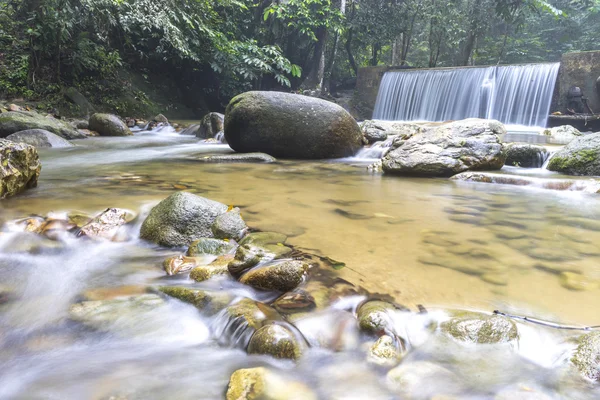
[(331, 63), (397, 51), (314, 79), (375, 54)]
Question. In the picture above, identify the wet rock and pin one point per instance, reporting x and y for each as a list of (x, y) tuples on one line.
[(19, 168), (204, 300), (55, 228), (449, 149), (209, 246), (276, 340), (295, 301), (39, 138), (192, 130), (423, 380), (13, 122), (564, 133), (404, 130), (80, 124), (77, 98), (269, 241), (384, 352), (287, 125), (261, 383), (374, 316), (281, 276), (106, 225), (78, 219), (216, 268), (28, 242), (180, 219), (107, 293), (108, 125), (470, 327), (579, 282), (246, 257), (211, 124), (579, 157), (525, 155), (586, 358), (239, 158), (229, 225), (373, 131), (160, 118), (179, 264)]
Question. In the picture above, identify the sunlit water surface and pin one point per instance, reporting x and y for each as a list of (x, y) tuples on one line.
[(433, 242)]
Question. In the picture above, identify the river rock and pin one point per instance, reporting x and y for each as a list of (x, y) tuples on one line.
[(373, 132), (276, 340), (290, 126), (374, 316), (80, 124), (525, 155), (448, 149), (13, 122), (79, 100), (579, 157), (564, 133), (384, 352), (423, 380), (272, 242), (108, 125), (179, 264), (586, 358), (180, 219), (239, 158), (246, 257), (261, 383), (282, 276), (192, 130), (19, 167), (106, 225), (204, 300), (160, 118), (209, 246), (229, 225), (575, 281), (211, 124), (470, 327), (39, 138), (217, 268)]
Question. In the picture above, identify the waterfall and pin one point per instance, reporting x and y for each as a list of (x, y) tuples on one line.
[(512, 94)]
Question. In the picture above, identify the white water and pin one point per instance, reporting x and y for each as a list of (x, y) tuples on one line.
[(516, 94)]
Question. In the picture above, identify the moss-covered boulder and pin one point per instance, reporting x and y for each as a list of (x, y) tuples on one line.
[(246, 257), (39, 138), (525, 155), (280, 276), (471, 327), (278, 341), (448, 149), (108, 125), (204, 300), (180, 219), (263, 384), (229, 225), (580, 157), (19, 167), (288, 125), (13, 122), (210, 247), (587, 356)]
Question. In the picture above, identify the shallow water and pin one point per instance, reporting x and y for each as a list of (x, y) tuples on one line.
[(433, 242)]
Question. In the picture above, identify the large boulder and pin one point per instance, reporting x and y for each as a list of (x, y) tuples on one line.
[(290, 126), (564, 134), (211, 124), (579, 157), (448, 149), (108, 125), (39, 138), (13, 122), (19, 167), (181, 219), (79, 100)]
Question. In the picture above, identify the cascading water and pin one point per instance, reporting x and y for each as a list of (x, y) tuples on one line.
[(515, 94)]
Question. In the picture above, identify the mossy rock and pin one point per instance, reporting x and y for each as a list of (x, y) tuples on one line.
[(108, 125), (203, 300), (525, 155), (179, 264), (385, 352), (214, 269), (263, 384), (276, 340), (13, 122), (252, 313), (229, 225), (278, 276), (246, 257), (272, 242), (579, 157), (471, 327), (39, 138), (587, 356), (209, 246), (374, 316), (20, 168), (287, 125)]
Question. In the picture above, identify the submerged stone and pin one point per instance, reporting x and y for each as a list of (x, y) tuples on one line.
[(384, 352), (576, 281), (470, 327), (423, 380), (204, 300), (216, 268), (269, 241), (209, 246), (263, 384), (276, 340), (281, 276)]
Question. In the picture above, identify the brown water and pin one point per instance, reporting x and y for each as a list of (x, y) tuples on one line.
[(424, 241)]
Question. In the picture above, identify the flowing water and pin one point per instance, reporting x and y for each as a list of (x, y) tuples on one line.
[(514, 94), (434, 242)]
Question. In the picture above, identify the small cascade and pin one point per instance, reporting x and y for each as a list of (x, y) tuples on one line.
[(513, 94), (376, 151), (546, 159)]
